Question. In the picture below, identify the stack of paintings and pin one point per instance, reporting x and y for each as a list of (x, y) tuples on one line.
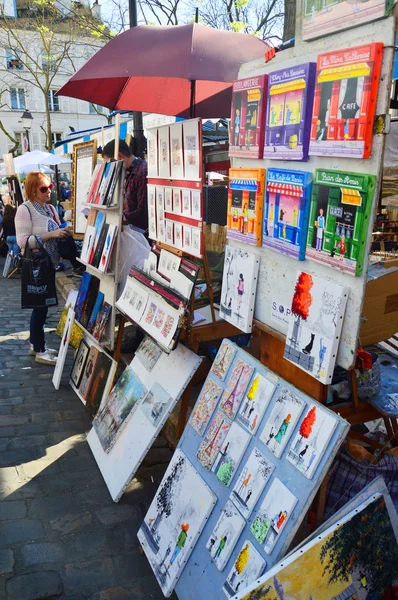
[(92, 312)]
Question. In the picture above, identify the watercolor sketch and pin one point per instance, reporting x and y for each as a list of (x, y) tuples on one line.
[(213, 440), (205, 405), (255, 402), (225, 535), (251, 482), (230, 454), (115, 411), (273, 514), (223, 360), (282, 421), (356, 559), (312, 438), (174, 520), (235, 390), (239, 284), (155, 403), (315, 323), (148, 353), (248, 566)]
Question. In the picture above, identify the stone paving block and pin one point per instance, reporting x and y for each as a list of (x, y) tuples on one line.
[(99, 541), (11, 401), (7, 431), (71, 464), (20, 457), (43, 417), (23, 530), (34, 554), (69, 438), (10, 420), (53, 507), (111, 515), (12, 510), (115, 593), (19, 489), (71, 522), (5, 410), (71, 482), (6, 561), (4, 443), (89, 576), (27, 442), (34, 586), (43, 466), (78, 426)]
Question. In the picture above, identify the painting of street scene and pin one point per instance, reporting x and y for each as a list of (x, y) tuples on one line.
[(355, 560), (256, 401), (118, 407), (248, 566), (230, 454), (225, 535), (156, 403), (251, 482), (174, 520)]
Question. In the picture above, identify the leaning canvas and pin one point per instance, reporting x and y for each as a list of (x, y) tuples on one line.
[(353, 559), (248, 566), (174, 521), (225, 535), (251, 482), (315, 322), (239, 285)]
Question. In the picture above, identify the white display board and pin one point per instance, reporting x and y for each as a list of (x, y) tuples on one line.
[(277, 272), (173, 371)]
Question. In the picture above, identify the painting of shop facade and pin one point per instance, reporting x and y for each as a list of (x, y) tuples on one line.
[(249, 97), (286, 212), (347, 84), (245, 205), (289, 109), (339, 219)]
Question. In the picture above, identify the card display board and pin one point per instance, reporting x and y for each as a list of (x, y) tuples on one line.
[(249, 97), (245, 205), (84, 159), (242, 474), (175, 186), (347, 83), (277, 274), (289, 110), (121, 463), (286, 211)]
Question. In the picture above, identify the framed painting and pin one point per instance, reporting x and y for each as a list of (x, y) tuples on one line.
[(177, 158), (164, 152), (84, 160), (79, 363), (192, 149)]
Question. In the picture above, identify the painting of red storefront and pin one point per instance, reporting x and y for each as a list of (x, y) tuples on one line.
[(347, 83)]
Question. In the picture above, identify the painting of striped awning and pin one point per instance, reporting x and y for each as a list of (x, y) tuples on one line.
[(285, 188)]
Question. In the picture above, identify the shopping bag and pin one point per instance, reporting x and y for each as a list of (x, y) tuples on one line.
[(38, 278)]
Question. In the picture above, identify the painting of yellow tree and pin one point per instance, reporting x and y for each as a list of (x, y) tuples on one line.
[(355, 560), (248, 565)]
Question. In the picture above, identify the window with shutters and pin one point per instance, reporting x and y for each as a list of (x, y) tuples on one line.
[(57, 137), (13, 60), (53, 101), (17, 98)]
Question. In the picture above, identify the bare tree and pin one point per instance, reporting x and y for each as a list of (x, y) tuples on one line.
[(4, 104)]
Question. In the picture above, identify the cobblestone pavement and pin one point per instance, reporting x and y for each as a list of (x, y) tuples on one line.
[(61, 536)]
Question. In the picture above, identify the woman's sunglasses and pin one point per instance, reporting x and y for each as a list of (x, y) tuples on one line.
[(44, 188)]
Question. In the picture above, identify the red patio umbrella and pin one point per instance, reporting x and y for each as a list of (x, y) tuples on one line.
[(150, 69)]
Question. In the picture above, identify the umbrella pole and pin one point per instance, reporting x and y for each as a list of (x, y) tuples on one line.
[(57, 183), (193, 82)]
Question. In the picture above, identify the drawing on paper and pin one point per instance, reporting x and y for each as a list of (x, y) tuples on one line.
[(205, 405), (117, 408), (357, 559), (223, 360), (273, 514), (239, 284), (174, 520), (148, 353), (213, 440), (251, 482), (176, 152), (237, 384), (230, 454), (255, 402), (248, 566), (155, 403), (225, 535), (282, 421), (312, 439), (315, 322)]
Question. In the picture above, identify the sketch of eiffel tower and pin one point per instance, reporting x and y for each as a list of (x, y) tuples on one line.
[(209, 448), (230, 403)]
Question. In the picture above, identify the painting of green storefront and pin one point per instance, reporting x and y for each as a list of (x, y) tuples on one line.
[(339, 219)]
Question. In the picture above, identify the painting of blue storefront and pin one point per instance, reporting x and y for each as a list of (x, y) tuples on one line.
[(286, 211)]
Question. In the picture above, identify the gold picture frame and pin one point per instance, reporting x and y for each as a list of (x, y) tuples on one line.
[(81, 152)]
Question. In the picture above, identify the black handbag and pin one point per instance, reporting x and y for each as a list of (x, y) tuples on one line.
[(38, 278)]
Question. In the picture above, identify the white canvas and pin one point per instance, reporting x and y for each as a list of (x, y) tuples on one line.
[(152, 138), (315, 323), (186, 202), (164, 152), (168, 199), (255, 402), (196, 241), (176, 197), (88, 243), (133, 300), (177, 163), (273, 514), (239, 286), (191, 150), (148, 353), (152, 212), (160, 221), (231, 453), (251, 482), (119, 466), (248, 566), (197, 212), (108, 248), (282, 421), (312, 439), (63, 348), (175, 520), (225, 535), (155, 403), (178, 241)]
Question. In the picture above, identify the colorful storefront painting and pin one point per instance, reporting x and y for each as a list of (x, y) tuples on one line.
[(245, 205), (249, 98), (286, 211)]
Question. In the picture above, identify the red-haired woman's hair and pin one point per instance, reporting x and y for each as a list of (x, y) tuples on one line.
[(33, 183)]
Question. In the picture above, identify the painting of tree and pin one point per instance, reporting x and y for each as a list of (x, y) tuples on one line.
[(242, 560), (365, 545), (308, 423), (164, 501), (224, 473), (301, 303), (251, 394)]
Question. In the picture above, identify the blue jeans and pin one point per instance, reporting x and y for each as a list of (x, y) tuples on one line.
[(13, 247), (37, 322)]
